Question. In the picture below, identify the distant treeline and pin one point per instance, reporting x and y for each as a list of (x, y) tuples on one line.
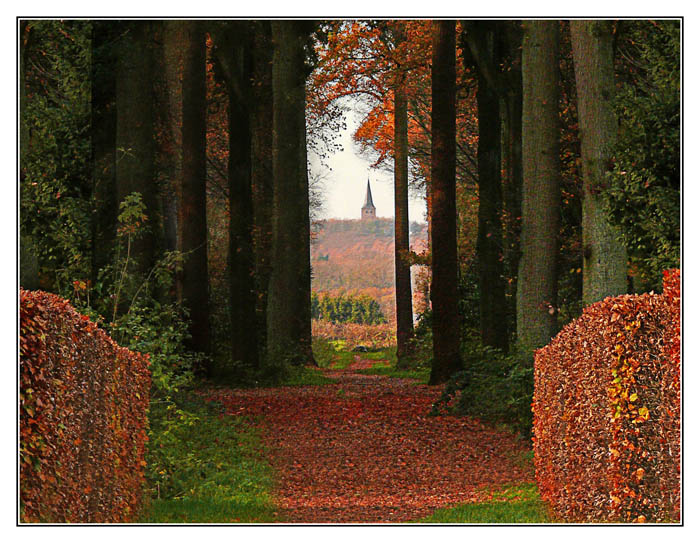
[(381, 227), (360, 309)]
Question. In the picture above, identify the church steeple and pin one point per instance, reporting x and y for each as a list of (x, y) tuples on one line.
[(368, 210)]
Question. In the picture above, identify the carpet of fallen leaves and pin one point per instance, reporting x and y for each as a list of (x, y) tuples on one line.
[(364, 450)]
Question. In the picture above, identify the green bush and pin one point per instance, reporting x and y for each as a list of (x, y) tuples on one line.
[(55, 181), (643, 192), (493, 387), (127, 304)]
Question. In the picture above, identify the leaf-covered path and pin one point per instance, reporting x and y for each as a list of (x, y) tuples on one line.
[(364, 450)]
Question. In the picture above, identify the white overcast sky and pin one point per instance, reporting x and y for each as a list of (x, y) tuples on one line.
[(344, 185)]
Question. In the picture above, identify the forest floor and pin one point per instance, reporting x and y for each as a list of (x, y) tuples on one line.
[(363, 449)]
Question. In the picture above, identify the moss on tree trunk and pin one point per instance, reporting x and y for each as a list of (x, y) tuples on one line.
[(604, 256), (537, 277)]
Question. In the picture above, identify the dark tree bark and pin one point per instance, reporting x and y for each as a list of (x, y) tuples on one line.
[(604, 256), (244, 337), (135, 159), (402, 265), (511, 113), (537, 278), (234, 53), (193, 284), (492, 301), (169, 121), (104, 123), (446, 332), (261, 168), (289, 299), (483, 43), (305, 255)]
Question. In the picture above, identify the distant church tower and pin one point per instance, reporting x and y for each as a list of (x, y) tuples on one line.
[(369, 212)]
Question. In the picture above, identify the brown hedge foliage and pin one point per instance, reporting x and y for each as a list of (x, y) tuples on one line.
[(83, 402), (607, 411), (671, 395)]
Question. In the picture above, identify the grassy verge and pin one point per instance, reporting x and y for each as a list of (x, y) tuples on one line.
[(519, 504), (331, 354), (420, 374), (209, 469), (305, 376)]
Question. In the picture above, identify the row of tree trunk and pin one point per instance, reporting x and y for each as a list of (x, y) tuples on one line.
[(264, 66), (530, 99), (604, 256), (264, 69)]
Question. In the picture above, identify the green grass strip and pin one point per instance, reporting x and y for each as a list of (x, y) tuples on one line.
[(296, 376), (422, 375), (211, 470), (519, 504)]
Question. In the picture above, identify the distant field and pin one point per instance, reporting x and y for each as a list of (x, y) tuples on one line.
[(356, 256)]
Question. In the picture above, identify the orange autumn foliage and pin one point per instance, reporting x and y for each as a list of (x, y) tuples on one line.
[(363, 60), (607, 411)]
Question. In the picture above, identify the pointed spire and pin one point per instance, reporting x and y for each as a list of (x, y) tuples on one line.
[(368, 198)]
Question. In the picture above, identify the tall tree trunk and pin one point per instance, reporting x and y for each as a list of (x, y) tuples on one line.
[(289, 297), (537, 277), (261, 172), (134, 138), (402, 265), (234, 50), (446, 332), (305, 343), (492, 301), (604, 256), (103, 124), (484, 46), (244, 335), (192, 213), (170, 126), (512, 165)]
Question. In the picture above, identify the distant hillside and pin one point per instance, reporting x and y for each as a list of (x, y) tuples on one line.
[(355, 255)]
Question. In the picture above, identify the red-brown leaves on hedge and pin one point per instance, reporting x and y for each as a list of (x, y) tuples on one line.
[(83, 402), (365, 450), (670, 417), (607, 411)]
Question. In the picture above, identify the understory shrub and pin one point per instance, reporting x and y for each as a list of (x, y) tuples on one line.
[(83, 404), (375, 336), (493, 387), (607, 411)]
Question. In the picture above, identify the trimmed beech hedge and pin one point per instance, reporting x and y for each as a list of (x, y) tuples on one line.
[(607, 411), (83, 402)]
